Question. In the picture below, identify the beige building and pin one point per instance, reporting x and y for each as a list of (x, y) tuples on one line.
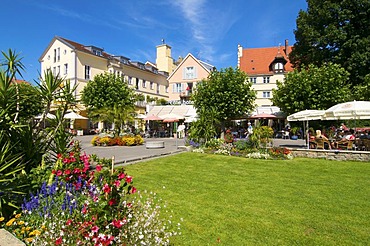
[(265, 66), (182, 81), (80, 63)]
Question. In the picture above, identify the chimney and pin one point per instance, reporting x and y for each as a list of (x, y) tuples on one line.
[(286, 47)]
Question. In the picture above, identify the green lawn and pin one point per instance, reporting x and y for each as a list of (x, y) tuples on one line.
[(237, 201)]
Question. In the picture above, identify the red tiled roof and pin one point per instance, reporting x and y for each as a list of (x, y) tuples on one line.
[(258, 60), (20, 81)]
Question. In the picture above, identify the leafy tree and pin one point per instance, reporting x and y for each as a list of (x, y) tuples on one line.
[(314, 88), (227, 91), (205, 128), (337, 32), (109, 98)]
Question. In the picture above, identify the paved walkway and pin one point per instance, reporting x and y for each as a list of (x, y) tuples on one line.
[(126, 154)]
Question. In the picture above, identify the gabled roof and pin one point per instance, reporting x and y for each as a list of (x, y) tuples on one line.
[(73, 45), (204, 65), (258, 60)]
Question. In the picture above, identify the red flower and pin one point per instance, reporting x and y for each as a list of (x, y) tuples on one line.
[(95, 229), (98, 168), (84, 209), (128, 179), (59, 172), (121, 176), (71, 154), (65, 160), (106, 188), (59, 156), (133, 190), (117, 223), (58, 241), (69, 222), (112, 202), (67, 172)]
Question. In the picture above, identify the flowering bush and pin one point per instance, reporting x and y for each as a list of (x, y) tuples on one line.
[(258, 155), (214, 143), (90, 207), (280, 153), (229, 138), (225, 149), (126, 140)]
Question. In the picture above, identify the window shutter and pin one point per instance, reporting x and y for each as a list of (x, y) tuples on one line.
[(173, 87), (195, 73), (184, 73)]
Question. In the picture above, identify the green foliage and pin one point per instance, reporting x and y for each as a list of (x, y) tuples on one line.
[(30, 144), (261, 136), (312, 88), (109, 98), (205, 128), (227, 91), (334, 31)]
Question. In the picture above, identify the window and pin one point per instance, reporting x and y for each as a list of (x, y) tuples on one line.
[(58, 54), (55, 55), (130, 80), (158, 87), (66, 68), (253, 80), (144, 85), (54, 71), (278, 67), (190, 73), (166, 89), (176, 87), (87, 72), (266, 94), (266, 80), (151, 85), (58, 70)]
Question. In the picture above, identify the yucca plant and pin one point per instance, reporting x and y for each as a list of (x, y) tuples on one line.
[(11, 192)]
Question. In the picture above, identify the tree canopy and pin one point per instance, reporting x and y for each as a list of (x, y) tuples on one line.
[(312, 88), (228, 91), (107, 91), (109, 98), (337, 32)]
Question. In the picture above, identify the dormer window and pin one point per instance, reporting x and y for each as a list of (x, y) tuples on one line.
[(278, 67)]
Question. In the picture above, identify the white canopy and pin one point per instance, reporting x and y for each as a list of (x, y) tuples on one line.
[(74, 116), (306, 115), (355, 110)]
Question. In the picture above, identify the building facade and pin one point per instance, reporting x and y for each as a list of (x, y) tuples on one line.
[(265, 66), (80, 63), (182, 81)]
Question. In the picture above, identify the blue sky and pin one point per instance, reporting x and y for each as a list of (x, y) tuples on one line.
[(209, 29)]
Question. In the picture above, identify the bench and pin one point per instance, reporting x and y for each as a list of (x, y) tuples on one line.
[(154, 144)]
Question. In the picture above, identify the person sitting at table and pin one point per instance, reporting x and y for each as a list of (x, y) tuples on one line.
[(319, 135), (348, 136)]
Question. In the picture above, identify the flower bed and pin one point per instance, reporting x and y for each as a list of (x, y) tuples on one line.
[(79, 205), (126, 140)]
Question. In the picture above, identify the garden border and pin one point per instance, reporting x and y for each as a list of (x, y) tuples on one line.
[(339, 155)]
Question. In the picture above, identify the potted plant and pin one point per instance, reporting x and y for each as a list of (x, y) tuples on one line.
[(294, 131)]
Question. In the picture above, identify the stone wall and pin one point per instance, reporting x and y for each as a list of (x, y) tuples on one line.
[(340, 155)]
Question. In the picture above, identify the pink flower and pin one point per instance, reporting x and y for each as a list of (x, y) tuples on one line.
[(106, 188), (121, 176), (65, 160), (72, 159), (69, 222), (95, 229), (98, 168), (128, 179), (117, 183), (59, 156), (71, 154), (84, 209), (59, 172), (117, 223), (67, 172)]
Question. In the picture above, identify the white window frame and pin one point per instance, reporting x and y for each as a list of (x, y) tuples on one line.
[(266, 94), (65, 68), (151, 85), (144, 83), (266, 79)]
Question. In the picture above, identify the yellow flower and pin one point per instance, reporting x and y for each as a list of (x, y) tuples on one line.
[(21, 222), (43, 227), (2, 219), (35, 233), (17, 216), (28, 228), (29, 239), (10, 222)]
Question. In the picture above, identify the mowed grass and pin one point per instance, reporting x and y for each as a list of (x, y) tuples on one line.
[(237, 201)]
